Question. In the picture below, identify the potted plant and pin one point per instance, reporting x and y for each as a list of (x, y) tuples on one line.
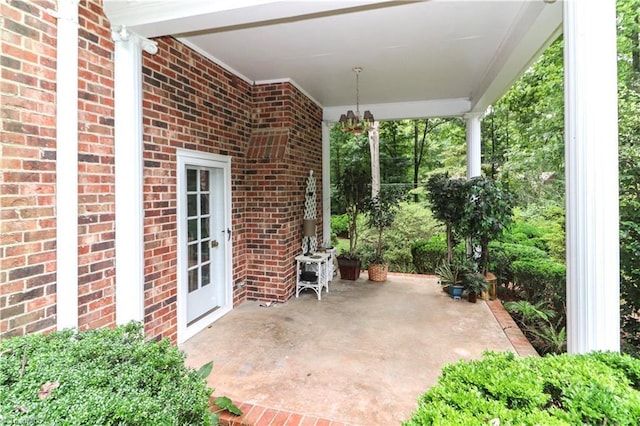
[(474, 283), (353, 187), (381, 212), (450, 275)]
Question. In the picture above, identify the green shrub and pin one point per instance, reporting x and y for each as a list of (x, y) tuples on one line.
[(428, 255), (593, 389), (413, 222), (541, 280), (340, 225), (526, 233), (99, 377), (502, 255)]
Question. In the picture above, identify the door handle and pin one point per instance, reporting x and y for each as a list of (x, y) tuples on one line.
[(228, 231), (214, 243)]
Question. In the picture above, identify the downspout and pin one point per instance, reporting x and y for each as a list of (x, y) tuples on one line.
[(67, 164)]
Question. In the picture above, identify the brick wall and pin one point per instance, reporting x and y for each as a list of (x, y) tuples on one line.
[(27, 188), (188, 102), (191, 103), (96, 181), (275, 186)]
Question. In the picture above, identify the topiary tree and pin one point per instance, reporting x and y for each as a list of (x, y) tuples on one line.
[(381, 212), (487, 211), (447, 197), (354, 189)]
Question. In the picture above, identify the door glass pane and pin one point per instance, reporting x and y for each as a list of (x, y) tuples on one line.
[(193, 280), (192, 226), (205, 274), (192, 180), (204, 230), (204, 180), (192, 205), (193, 254), (204, 251), (204, 204)]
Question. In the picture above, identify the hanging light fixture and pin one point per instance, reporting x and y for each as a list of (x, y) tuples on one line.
[(355, 123)]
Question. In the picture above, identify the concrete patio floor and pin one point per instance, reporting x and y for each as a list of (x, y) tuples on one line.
[(360, 356)]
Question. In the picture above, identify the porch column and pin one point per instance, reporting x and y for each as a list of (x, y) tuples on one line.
[(326, 184), (591, 156), (67, 166), (473, 144), (128, 174)]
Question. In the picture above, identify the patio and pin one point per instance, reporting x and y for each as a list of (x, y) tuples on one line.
[(361, 356)]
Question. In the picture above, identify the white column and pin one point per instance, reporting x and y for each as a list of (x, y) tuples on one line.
[(128, 174), (67, 165), (591, 156), (374, 149), (474, 157), (326, 184)]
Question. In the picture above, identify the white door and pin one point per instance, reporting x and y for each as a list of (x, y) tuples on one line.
[(204, 240)]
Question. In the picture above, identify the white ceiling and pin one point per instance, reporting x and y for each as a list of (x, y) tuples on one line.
[(438, 57)]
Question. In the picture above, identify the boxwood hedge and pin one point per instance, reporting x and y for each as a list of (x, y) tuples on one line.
[(592, 389), (99, 377)]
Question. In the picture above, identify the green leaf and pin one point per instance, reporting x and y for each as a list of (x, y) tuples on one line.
[(226, 404), (205, 370)]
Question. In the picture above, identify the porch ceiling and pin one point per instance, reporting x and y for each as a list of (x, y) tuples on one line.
[(428, 58)]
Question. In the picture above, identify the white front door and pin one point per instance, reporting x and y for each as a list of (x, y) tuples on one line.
[(204, 230)]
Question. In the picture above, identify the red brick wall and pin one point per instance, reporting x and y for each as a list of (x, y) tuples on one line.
[(96, 182), (27, 160), (191, 103), (188, 102), (275, 187)]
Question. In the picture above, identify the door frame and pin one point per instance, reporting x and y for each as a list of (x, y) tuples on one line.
[(196, 158)]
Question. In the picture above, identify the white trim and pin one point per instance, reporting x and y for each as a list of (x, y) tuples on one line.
[(293, 83), (591, 156), (67, 166), (129, 222), (405, 110), (232, 70), (184, 158), (212, 58)]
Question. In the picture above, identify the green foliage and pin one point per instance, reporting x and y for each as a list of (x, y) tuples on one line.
[(593, 389), (105, 377), (381, 212), (447, 196), (535, 320), (629, 152), (427, 255), (502, 255), (340, 225), (474, 282), (541, 280), (354, 189), (487, 213), (413, 222)]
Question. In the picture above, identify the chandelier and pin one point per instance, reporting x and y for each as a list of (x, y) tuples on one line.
[(355, 123)]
